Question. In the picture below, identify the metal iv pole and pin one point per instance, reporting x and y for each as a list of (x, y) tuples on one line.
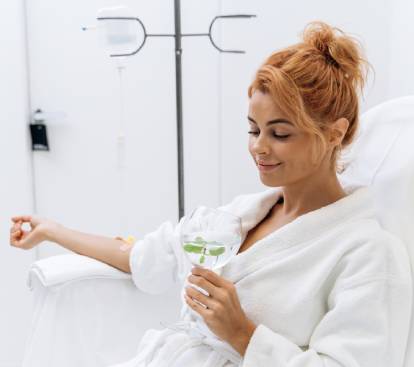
[(178, 77)]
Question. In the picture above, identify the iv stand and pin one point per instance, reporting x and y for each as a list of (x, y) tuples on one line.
[(178, 73)]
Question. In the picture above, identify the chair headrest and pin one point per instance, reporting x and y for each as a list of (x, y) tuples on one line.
[(382, 157)]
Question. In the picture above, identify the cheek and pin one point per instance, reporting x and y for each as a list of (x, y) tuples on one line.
[(295, 154), (301, 158), (250, 147)]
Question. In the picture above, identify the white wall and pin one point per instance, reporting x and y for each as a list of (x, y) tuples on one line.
[(401, 50), (201, 96), (77, 182), (15, 184)]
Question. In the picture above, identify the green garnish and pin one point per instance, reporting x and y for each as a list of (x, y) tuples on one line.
[(217, 251), (195, 248), (189, 247)]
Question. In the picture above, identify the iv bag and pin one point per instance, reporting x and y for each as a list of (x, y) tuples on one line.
[(119, 36)]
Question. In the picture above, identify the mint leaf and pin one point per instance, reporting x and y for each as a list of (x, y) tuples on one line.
[(189, 247), (217, 251)]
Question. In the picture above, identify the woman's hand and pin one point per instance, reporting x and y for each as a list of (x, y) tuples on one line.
[(224, 315), (40, 228)]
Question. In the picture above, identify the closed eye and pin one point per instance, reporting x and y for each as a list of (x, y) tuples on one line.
[(275, 135)]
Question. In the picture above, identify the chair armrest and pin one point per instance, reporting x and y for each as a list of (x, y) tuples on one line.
[(84, 320), (61, 269), (89, 314), (74, 301)]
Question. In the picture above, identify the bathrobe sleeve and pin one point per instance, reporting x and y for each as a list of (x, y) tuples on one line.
[(157, 262), (366, 325)]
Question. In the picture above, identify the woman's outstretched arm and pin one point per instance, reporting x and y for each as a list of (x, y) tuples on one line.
[(111, 251)]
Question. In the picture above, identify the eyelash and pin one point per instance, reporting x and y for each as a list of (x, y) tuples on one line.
[(281, 137)]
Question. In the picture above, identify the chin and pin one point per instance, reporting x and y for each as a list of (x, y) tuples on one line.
[(271, 182)]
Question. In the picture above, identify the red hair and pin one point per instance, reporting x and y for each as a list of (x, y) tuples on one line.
[(317, 81)]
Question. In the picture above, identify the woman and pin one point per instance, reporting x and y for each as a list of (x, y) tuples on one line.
[(317, 282)]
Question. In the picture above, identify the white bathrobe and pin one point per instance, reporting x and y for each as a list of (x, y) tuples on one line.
[(329, 289)]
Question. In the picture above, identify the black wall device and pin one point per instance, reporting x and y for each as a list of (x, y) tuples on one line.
[(39, 134)]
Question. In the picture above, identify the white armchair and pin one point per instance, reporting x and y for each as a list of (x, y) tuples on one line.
[(87, 313), (92, 315)]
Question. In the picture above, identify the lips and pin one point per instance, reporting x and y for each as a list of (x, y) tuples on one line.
[(267, 164), (267, 167)]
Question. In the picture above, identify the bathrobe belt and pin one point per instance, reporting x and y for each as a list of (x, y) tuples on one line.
[(200, 335)]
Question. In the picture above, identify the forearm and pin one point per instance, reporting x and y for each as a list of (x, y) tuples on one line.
[(105, 249)]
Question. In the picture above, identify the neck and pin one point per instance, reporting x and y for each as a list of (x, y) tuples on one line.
[(316, 192)]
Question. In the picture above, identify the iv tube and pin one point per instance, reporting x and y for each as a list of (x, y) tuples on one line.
[(117, 36), (121, 154)]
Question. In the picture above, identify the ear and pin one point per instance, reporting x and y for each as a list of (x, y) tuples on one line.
[(338, 131)]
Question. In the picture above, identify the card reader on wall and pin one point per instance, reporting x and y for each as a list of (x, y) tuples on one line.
[(38, 132)]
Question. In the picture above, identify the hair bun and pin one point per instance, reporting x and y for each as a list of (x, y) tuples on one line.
[(319, 35), (338, 49)]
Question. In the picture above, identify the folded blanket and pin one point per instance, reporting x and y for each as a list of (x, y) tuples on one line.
[(66, 268)]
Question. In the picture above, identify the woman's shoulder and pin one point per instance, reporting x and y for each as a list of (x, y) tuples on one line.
[(374, 254)]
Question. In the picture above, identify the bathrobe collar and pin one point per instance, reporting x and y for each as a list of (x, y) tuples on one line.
[(356, 205)]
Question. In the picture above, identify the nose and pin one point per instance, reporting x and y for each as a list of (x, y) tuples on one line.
[(260, 145)]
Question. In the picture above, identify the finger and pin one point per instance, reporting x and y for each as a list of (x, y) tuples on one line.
[(21, 242), (14, 242), (200, 297), (16, 234), (210, 275), (196, 307), (14, 228), (14, 239), (22, 218), (203, 283)]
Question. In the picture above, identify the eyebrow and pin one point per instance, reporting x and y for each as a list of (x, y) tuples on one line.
[(271, 122)]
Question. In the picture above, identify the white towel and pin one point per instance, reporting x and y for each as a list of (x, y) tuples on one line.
[(66, 268)]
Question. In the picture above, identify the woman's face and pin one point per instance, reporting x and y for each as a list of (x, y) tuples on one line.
[(276, 141)]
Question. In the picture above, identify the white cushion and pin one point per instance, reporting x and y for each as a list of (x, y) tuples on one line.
[(383, 156), (60, 269)]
